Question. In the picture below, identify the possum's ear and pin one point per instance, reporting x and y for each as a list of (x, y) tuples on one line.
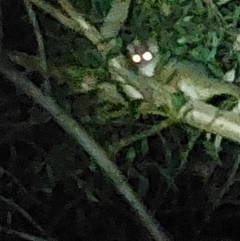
[(133, 47)]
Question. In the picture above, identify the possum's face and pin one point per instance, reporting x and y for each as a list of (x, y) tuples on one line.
[(144, 56)]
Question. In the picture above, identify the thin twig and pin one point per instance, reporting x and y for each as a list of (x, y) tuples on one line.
[(56, 14), (77, 22), (23, 235), (230, 181), (39, 38), (20, 185), (24, 213), (117, 146), (87, 29), (15, 180)]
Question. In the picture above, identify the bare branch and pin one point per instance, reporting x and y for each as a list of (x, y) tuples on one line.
[(39, 38), (23, 235), (77, 22), (56, 14), (17, 208), (87, 29)]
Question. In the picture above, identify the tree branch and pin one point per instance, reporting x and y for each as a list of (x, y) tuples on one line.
[(86, 141)]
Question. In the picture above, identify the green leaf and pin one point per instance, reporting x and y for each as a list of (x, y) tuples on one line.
[(178, 100), (212, 151), (144, 146), (76, 72), (131, 154)]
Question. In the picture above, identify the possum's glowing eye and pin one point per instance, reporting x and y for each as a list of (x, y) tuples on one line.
[(136, 58), (147, 56)]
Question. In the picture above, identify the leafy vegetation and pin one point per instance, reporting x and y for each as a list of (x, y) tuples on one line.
[(173, 168)]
